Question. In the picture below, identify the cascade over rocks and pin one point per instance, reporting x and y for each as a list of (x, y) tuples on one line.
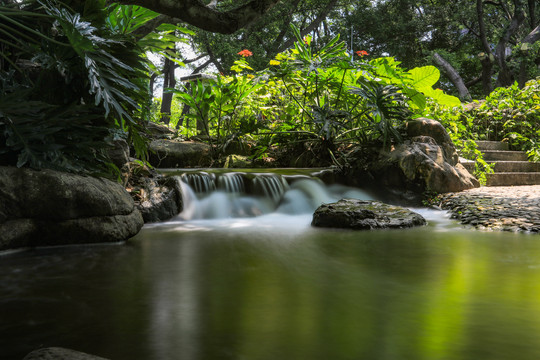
[(426, 162), (40, 208), (365, 215)]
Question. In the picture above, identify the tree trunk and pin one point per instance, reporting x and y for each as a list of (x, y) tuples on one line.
[(505, 77), (531, 38), (168, 82), (454, 77), (487, 72), (486, 58)]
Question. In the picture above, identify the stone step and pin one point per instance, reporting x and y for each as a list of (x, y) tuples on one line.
[(514, 166), (513, 178), (491, 145), (503, 155)]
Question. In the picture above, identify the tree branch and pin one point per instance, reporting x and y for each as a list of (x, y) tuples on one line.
[(194, 59), (201, 67), (454, 77), (314, 24), (207, 18), (151, 25), (533, 36)]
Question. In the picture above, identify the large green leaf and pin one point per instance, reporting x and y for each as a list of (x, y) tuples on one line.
[(425, 76), (442, 98)]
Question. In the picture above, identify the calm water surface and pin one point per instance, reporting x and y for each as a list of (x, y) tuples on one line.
[(272, 287)]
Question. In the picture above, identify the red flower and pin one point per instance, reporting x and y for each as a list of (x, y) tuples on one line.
[(245, 53), (362, 53)]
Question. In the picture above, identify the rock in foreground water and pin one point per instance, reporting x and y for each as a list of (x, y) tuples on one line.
[(56, 353), (365, 215), (42, 208)]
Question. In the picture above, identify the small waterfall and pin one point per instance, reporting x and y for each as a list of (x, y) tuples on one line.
[(271, 186), (231, 182), (201, 182), (221, 195)]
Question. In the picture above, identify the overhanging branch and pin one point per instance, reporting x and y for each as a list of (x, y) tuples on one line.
[(194, 12)]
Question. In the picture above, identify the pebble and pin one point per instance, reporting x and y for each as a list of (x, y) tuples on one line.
[(503, 208)]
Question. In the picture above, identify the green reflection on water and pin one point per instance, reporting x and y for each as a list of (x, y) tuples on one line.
[(320, 294)]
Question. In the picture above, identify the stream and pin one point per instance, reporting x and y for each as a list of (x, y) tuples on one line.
[(241, 274)]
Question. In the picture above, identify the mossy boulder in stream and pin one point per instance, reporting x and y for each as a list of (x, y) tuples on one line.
[(365, 215), (40, 208)]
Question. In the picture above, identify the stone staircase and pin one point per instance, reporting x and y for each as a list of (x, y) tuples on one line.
[(511, 167)]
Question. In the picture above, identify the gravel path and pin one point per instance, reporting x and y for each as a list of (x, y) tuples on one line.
[(507, 208)]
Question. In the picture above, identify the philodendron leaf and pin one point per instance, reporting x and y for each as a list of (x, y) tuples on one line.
[(416, 97), (442, 98), (425, 76)]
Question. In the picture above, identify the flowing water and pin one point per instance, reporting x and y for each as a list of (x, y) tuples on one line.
[(218, 283)]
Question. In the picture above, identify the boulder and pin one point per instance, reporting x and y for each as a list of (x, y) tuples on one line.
[(56, 353), (160, 131), (119, 153), (426, 162), (424, 127), (39, 208), (179, 154), (162, 199), (365, 215)]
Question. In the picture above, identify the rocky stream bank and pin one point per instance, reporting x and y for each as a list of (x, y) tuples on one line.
[(506, 208)]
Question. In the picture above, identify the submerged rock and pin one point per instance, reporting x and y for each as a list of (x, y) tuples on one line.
[(56, 353), (40, 208), (365, 215)]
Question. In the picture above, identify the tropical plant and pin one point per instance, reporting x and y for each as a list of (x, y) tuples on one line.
[(84, 81), (313, 99)]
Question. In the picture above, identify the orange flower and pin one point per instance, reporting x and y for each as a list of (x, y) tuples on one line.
[(245, 53), (362, 53)]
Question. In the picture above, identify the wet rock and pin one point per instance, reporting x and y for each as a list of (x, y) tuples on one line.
[(179, 154), (40, 208), (161, 200), (365, 215), (56, 353)]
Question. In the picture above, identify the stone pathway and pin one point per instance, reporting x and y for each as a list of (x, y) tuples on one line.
[(506, 208)]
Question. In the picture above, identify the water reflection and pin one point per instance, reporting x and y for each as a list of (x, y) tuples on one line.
[(275, 288)]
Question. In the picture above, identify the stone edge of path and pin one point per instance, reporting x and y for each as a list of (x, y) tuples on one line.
[(495, 208)]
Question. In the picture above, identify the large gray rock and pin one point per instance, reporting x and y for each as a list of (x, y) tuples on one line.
[(365, 215), (56, 353), (179, 154), (435, 130), (426, 162), (39, 208), (162, 199)]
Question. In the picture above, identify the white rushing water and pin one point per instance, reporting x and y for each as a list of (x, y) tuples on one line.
[(234, 195), (237, 200)]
